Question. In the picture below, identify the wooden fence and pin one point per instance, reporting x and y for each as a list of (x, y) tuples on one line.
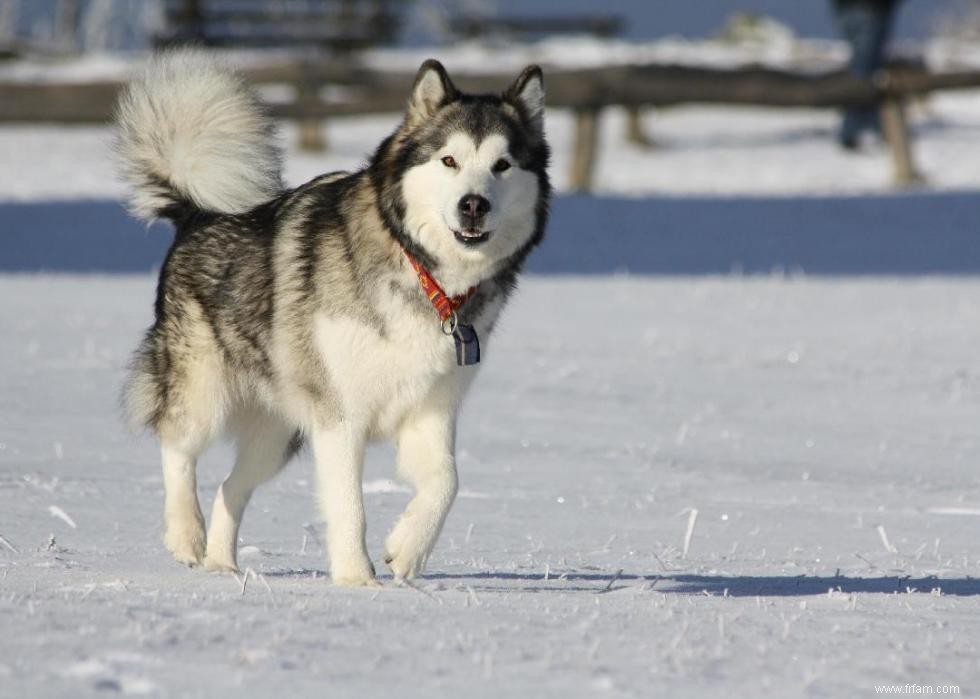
[(587, 92)]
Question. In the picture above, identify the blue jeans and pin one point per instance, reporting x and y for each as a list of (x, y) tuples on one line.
[(866, 25)]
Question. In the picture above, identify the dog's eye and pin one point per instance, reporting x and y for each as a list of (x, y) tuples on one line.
[(501, 165), (449, 161)]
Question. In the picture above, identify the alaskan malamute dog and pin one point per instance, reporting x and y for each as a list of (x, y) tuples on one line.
[(351, 308)]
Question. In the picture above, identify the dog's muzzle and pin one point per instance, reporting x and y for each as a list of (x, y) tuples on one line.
[(473, 208)]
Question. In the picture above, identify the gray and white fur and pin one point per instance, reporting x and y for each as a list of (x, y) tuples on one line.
[(292, 315)]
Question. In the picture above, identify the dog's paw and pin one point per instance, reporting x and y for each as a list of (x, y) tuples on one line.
[(215, 564), (186, 544), (355, 581), (405, 567), (353, 573), (405, 550)]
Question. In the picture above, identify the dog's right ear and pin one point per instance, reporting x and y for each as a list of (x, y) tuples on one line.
[(432, 89)]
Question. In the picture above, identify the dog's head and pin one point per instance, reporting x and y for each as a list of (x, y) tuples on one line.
[(463, 182)]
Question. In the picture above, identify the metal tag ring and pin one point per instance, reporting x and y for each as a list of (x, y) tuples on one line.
[(449, 324)]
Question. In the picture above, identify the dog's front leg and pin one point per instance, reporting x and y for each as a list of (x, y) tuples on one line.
[(339, 453), (426, 446)]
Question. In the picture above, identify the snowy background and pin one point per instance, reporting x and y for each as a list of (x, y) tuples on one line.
[(726, 438)]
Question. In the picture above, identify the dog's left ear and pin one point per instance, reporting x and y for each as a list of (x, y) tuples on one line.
[(432, 89), (528, 92)]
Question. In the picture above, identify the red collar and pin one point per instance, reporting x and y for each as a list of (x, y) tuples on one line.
[(445, 305)]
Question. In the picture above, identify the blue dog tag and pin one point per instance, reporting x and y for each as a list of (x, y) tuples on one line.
[(467, 345)]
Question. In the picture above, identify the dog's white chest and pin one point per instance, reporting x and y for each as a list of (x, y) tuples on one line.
[(382, 372)]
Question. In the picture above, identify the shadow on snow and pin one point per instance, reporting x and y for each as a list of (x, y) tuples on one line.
[(908, 234), (736, 585), (601, 582)]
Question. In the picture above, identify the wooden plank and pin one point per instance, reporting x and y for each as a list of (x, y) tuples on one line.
[(659, 85), (375, 91), (58, 102)]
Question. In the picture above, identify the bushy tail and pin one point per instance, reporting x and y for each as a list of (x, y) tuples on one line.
[(191, 135)]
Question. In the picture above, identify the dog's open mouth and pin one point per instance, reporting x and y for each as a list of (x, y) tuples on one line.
[(471, 236)]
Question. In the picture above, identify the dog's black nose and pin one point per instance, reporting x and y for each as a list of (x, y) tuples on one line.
[(473, 206)]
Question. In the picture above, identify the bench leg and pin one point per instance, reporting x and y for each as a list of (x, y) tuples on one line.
[(896, 132), (311, 136), (584, 149), (635, 133)]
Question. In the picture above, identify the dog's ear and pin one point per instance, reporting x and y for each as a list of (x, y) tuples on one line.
[(432, 89), (528, 92)]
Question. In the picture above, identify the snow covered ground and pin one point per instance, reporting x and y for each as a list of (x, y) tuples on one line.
[(824, 431)]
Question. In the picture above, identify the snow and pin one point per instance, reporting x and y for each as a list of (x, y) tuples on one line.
[(811, 444)]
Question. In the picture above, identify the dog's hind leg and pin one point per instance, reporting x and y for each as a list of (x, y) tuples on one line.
[(181, 440), (264, 443), (193, 414), (183, 522), (426, 445)]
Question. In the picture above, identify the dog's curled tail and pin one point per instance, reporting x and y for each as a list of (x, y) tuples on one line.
[(191, 137)]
